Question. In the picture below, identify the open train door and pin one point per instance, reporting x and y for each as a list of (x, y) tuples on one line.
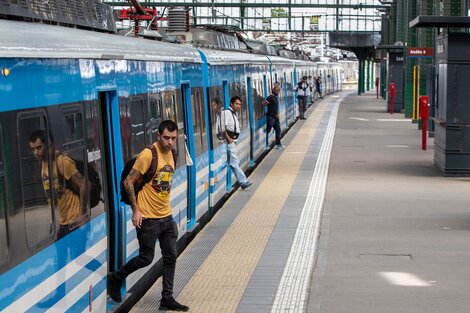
[(189, 151), (108, 128)]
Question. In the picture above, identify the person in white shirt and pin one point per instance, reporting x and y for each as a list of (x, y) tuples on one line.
[(303, 92), (231, 130)]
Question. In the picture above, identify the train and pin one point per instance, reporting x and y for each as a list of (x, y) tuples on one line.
[(101, 96)]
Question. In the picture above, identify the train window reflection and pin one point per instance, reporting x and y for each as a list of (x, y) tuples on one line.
[(73, 126), (71, 171), (216, 105), (198, 122), (37, 195), (137, 117), (155, 101), (169, 106), (177, 101)]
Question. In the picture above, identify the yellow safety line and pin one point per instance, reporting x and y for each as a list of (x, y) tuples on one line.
[(221, 280)]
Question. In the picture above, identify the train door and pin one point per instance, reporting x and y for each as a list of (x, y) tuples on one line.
[(189, 152), (109, 130), (249, 94), (286, 98), (226, 105), (265, 94), (294, 106)]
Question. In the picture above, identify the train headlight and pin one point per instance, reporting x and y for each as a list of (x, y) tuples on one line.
[(5, 71)]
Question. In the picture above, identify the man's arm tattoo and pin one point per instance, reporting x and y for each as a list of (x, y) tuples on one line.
[(132, 173)]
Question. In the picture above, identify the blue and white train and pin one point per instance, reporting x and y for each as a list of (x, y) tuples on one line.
[(101, 95)]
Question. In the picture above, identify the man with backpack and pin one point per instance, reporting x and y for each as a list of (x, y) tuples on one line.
[(59, 187), (152, 214)]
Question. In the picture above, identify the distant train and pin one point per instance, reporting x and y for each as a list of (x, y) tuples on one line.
[(101, 96)]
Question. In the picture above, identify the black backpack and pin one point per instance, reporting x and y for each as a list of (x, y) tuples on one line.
[(94, 185), (147, 177)]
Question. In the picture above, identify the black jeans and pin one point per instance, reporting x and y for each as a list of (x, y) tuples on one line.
[(302, 105), (166, 231), (272, 122)]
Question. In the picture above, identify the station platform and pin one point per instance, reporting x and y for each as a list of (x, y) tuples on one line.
[(351, 217)]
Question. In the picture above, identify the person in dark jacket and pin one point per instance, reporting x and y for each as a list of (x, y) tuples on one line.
[(272, 116)]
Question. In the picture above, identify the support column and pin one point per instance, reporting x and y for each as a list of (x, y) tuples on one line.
[(410, 62), (368, 75), (361, 77), (425, 38)]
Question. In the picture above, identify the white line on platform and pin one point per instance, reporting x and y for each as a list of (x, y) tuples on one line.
[(393, 120), (403, 279), (292, 292), (358, 118), (397, 146)]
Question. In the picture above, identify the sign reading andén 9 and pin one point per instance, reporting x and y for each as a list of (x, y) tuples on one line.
[(419, 52)]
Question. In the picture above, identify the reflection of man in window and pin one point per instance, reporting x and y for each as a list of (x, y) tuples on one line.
[(68, 184)]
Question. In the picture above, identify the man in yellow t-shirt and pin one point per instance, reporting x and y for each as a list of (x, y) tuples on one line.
[(152, 216), (70, 205)]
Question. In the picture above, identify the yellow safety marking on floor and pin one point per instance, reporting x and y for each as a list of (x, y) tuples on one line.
[(221, 280)]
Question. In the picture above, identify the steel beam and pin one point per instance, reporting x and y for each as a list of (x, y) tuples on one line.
[(252, 5)]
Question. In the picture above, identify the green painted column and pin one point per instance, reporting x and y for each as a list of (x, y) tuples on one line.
[(393, 26), (454, 8), (410, 62), (368, 75), (425, 38), (361, 76), (400, 32), (383, 79)]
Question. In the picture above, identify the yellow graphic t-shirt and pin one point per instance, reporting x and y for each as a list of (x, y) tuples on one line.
[(154, 198), (66, 201)]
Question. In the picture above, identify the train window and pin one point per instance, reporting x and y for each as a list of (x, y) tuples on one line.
[(156, 116), (4, 231), (177, 100), (198, 122), (239, 90), (258, 98), (169, 106), (174, 104), (216, 103), (96, 150), (196, 125), (73, 126), (170, 113), (71, 158), (35, 175), (125, 131), (200, 105), (137, 118), (155, 101)]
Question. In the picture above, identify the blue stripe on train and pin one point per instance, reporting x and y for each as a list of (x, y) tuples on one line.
[(84, 301), (66, 287), (30, 273)]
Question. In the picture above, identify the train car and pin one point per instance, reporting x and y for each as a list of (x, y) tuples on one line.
[(98, 98), (101, 97)]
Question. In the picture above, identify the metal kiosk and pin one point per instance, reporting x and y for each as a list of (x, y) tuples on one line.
[(451, 98)]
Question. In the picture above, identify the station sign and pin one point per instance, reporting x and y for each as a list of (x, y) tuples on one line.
[(420, 52)]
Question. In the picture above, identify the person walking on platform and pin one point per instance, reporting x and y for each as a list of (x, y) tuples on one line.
[(318, 87), (231, 131), (152, 216), (311, 84), (272, 116), (303, 91)]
